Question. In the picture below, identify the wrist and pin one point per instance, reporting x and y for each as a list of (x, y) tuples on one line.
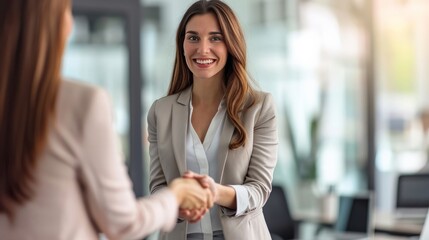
[(225, 196), (175, 187)]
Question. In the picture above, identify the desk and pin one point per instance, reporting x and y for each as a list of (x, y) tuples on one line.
[(382, 223), (388, 223), (386, 237)]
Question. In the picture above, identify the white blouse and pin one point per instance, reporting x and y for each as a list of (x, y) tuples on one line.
[(202, 158)]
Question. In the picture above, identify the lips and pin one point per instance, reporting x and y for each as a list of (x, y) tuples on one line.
[(205, 61)]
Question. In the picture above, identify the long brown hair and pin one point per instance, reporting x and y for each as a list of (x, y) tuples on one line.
[(32, 42), (239, 93)]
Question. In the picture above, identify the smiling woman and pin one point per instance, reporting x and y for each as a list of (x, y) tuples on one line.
[(216, 125)]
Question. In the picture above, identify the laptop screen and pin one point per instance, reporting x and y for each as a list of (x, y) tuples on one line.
[(354, 214), (412, 191)]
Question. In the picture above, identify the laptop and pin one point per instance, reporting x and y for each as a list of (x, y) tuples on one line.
[(354, 219), (412, 196), (354, 214)]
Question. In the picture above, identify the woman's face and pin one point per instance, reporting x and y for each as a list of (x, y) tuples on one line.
[(204, 47)]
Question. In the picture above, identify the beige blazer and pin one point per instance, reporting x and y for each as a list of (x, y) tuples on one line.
[(82, 187), (250, 166)]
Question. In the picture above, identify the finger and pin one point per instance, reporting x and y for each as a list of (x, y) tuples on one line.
[(209, 203), (199, 176), (192, 174), (184, 213), (205, 182), (188, 174), (198, 216), (202, 211), (194, 216), (209, 198)]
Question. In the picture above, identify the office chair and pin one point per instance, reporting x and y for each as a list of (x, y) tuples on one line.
[(278, 217)]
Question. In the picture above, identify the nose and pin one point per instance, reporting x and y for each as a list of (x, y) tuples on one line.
[(204, 47)]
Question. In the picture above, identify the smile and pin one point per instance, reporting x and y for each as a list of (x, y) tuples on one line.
[(204, 61)]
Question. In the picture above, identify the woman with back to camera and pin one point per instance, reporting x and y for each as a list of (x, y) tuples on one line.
[(61, 173), (215, 124)]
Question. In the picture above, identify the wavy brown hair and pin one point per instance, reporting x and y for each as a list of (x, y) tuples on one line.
[(239, 93), (32, 42)]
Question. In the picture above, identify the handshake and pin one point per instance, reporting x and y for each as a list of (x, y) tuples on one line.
[(195, 193)]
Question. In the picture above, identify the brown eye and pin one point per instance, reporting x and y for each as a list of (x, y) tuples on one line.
[(193, 38), (216, 38)]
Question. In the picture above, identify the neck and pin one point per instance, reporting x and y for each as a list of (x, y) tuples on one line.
[(207, 92)]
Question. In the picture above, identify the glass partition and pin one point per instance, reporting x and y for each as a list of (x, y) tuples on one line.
[(402, 53), (97, 53)]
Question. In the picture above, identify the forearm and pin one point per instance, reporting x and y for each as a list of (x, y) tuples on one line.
[(226, 196)]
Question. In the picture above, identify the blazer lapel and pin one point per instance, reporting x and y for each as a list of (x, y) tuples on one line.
[(225, 139), (179, 128)]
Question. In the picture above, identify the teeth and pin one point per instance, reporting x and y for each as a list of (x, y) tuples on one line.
[(206, 61)]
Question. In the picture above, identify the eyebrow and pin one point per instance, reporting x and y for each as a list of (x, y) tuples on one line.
[(210, 33)]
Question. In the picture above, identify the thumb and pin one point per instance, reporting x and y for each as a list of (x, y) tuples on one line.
[(188, 174)]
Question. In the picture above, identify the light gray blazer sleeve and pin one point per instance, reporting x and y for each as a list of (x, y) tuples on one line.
[(263, 156), (252, 167), (107, 188), (157, 176)]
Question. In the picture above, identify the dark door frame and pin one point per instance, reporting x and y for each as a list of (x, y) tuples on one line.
[(130, 10)]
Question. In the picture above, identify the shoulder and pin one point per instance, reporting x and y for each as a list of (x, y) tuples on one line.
[(262, 96), (164, 103), (167, 100), (263, 100), (160, 107), (79, 93), (78, 100), (262, 109)]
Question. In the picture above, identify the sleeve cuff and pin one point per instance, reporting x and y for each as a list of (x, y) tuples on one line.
[(242, 199), (170, 204)]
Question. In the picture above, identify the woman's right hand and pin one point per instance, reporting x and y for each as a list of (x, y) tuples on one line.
[(192, 216), (191, 195), (205, 181)]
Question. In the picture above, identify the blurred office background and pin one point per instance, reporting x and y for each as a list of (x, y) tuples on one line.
[(349, 78)]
